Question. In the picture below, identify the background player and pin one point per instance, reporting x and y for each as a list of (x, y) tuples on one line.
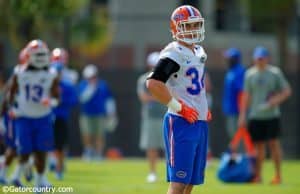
[(60, 55), (233, 89), (98, 109), (10, 132), (37, 90), (265, 89), (68, 99), (178, 82), (151, 139)]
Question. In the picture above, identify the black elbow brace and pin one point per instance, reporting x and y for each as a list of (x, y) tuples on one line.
[(164, 69)]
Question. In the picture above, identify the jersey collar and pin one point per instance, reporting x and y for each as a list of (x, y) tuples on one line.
[(185, 50)]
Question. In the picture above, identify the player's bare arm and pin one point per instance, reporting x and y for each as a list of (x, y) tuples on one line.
[(5, 103), (12, 89), (157, 79), (244, 103), (53, 100), (54, 91), (55, 88), (156, 85), (145, 97), (159, 90), (280, 97)]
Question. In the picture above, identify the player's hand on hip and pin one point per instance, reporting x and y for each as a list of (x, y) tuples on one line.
[(189, 113)]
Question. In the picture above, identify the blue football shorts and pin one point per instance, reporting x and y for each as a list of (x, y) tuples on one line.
[(186, 149), (34, 134)]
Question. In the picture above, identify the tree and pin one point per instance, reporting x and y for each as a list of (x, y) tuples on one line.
[(24, 20), (273, 16), (79, 24)]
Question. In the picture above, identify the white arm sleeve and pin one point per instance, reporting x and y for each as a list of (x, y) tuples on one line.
[(110, 106), (112, 120), (87, 93)]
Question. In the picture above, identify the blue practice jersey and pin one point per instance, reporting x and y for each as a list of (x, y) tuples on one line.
[(96, 103), (233, 85), (68, 99)]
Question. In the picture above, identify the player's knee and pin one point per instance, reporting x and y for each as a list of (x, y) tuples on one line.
[(178, 187), (188, 189), (24, 158), (274, 144)]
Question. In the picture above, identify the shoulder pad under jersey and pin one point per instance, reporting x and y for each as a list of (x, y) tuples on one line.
[(18, 69), (200, 52), (171, 51)]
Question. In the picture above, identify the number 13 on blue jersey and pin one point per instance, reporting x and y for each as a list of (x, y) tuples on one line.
[(196, 83)]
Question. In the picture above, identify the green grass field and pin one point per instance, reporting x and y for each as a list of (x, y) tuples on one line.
[(128, 177)]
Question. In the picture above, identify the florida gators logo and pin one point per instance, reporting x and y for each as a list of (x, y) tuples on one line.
[(181, 174)]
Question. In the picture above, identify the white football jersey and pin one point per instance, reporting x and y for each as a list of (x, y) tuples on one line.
[(19, 68), (33, 86), (188, 83)]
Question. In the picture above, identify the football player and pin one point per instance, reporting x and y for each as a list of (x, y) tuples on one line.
[(178, 82), (68, 99), (60, 55), (10, 132), (38, 92)]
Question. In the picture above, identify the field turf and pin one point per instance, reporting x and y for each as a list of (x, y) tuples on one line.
[(129, 177)]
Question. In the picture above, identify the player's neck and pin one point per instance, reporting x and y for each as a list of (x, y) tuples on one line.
[(189, 46), (261, 67)]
